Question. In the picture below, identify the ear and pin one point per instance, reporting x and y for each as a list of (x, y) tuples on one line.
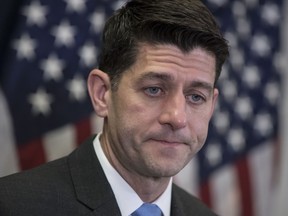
[(99, 90)]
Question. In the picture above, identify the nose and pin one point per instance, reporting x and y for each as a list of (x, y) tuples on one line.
[(174, 112)]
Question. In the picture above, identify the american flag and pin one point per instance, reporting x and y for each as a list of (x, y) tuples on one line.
[(49, 47)]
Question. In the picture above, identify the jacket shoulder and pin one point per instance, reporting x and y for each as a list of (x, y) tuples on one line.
[(34, 189), (48, 189), (43, 172)]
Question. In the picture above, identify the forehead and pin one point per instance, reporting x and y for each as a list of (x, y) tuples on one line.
[(169, 58)]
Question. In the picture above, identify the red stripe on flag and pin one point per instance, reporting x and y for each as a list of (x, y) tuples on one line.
[(31, 154), (244, 177), (205, 193), (276, 172), (83, 130)]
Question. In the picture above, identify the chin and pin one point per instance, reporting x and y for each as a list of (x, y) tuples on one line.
[(167, 170)]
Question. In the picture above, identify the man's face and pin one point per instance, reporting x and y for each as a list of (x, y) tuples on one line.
[(158, 117)]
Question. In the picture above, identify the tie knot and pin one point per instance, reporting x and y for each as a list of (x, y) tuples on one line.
[(147, 209)]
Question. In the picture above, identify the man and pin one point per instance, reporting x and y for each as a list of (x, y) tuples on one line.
[(155, 89)]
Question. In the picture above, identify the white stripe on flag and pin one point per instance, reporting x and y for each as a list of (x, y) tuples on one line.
[(60, 142), (8, 155), (225, 194), (261, 161), (281, 198), (187, 178)]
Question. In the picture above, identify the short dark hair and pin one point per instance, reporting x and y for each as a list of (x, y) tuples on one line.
[(184, 23)]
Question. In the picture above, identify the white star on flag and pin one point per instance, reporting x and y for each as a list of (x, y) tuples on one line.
[(88, 54), (64, 34), (251, 76), (271, 13), (239, 9), (41, 102), (272, 92), (35, 14), (237, 58), (243, 28), (213, 154), (221, 121), (243, 107), (260, 45), (232, 38), (229, 89), (77, 88), (97, 21), (78, 6), (262, 124), (25, 47), (52, 67), (236, 139)]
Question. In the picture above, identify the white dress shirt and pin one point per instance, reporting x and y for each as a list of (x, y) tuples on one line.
[(127, 199)]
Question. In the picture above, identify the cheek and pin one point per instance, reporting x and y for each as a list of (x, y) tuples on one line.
[(199, 123), (136, 111), (201, 130), (130, 116)]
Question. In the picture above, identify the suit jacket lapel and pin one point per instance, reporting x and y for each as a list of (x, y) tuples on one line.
[(90, 183), (176, 205)]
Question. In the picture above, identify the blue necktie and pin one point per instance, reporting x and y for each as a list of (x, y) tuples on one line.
[(147, 209)]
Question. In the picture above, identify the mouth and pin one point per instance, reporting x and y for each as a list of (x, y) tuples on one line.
[(169, 142)]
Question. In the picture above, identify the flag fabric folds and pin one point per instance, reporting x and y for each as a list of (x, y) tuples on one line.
[(49, 47)]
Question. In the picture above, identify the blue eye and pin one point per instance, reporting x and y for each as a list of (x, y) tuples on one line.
[(153, 91), (195, 98)]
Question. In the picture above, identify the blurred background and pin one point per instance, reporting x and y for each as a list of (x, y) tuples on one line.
[(47, 49)]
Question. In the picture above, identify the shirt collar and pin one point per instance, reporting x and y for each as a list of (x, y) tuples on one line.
[(123, 192)]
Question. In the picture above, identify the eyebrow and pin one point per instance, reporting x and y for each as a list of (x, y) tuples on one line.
[(167, 77), (153, 75), (200, 84)]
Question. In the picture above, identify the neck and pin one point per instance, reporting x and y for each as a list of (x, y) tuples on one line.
[(148, 188)]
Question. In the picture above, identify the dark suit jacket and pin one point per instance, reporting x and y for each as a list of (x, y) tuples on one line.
[(75, 185)]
